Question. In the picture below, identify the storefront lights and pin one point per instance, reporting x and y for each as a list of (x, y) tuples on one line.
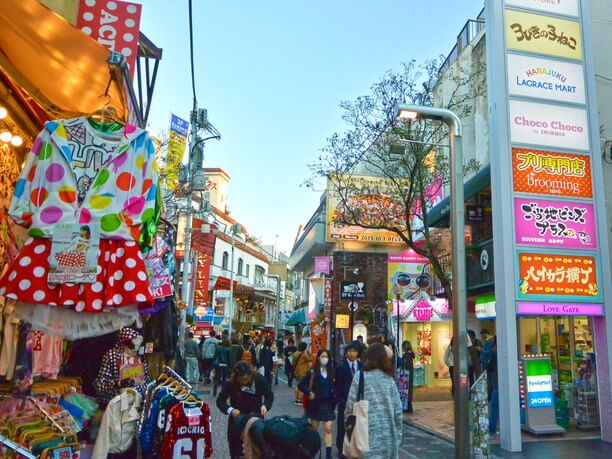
[(17, 141), (3, 113), (5, 136)]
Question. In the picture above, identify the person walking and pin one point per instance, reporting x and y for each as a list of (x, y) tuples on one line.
[(301, 367), (449, 362), (288, 352), (487, 347), (221, 364), (191, 359), (474, 367), (235, 353), (248, 352), (407, 363), (343, 378), (362, 348), (318, 386), (246, 392), (209, 351), (266, 360), (384, 405), (493, 390), (276, 361)]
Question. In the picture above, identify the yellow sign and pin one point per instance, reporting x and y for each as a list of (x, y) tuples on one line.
[(537, 33), (369, 201), (342, 321)]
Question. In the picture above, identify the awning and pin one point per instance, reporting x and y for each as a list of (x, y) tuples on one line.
[(299, 317), (471, 188), (62, 69)]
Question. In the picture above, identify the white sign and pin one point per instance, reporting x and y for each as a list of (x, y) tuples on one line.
[(485, 310), (545, 78), (548, 125), (542, 383), (568, 7)]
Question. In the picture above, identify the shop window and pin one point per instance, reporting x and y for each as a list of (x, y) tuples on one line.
[(225, 260)]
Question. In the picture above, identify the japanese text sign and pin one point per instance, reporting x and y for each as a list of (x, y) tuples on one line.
[(554, 223), (114, 24), (562, 277), (537, 33), (551, 173)]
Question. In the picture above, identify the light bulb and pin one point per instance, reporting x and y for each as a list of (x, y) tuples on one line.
[(6, 136), (3, 113), (17, 141)]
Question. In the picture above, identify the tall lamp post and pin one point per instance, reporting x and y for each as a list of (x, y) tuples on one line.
[(397, 291), (459, 301)]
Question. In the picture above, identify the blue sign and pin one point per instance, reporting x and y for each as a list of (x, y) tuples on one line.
[(179, 125)]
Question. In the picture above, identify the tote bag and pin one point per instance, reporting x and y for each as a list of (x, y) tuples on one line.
[(356, 439)]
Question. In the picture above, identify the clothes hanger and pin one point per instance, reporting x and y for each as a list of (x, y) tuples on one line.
[(106, 119)]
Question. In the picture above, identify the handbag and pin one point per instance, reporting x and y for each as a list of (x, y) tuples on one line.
[(356, 438), (305, 399)]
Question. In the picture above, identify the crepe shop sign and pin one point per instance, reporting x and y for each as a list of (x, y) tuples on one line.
[(554, 224), (557, 276)]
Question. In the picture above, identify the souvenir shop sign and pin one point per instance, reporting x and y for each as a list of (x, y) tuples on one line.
[(74, 254), (114, 24), (560, 309), (372, 197), (551, 173), (536, 33), (564, 7), (545, 79), (558, 277), (555, 223), (549, 125)]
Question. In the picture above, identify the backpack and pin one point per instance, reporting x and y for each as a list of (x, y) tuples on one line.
[(284, 433), (209, 350), (247, 356)]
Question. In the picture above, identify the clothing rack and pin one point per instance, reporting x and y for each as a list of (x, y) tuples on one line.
[(24, 452), (53, 422), (170, 372)]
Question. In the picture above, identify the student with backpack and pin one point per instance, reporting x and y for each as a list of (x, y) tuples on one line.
[(209, 352)]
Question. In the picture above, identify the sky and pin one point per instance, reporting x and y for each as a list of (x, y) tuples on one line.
[(272, 74)]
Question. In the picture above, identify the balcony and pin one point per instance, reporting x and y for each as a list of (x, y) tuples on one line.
[(470, 31), (311, 243)]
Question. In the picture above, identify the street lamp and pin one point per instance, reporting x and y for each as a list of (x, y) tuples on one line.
[(459, 302), (397, 290)]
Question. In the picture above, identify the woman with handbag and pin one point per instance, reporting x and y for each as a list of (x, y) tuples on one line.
[(319, 388), (382, 408)]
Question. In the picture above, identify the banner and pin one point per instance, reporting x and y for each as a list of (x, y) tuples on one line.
[(554, 277), (322, 266), (551, 173), (177, 144), (406, 270), (555, 223), (203, 243), (114, 24)]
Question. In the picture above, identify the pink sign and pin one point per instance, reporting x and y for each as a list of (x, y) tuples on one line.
[(321, 266), (407, 256), (560, 309), (547, 223)]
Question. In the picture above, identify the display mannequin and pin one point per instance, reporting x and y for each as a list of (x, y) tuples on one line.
[(122, 367)]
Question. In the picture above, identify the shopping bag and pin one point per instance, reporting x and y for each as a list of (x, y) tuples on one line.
[(356, 439)]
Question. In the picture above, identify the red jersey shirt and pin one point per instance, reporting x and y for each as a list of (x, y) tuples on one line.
[(187, 434)]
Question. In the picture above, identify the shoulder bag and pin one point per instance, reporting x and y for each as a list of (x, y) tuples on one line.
[(356, 439)]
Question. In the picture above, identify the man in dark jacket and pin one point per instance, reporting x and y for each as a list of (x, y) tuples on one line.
[(266, 359), (344, 377)]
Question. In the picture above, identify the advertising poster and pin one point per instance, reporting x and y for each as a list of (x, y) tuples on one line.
[(555, 223), (545, 79), (548, 125), (177, 144), (558, 277), (424, 346), (406, 270), (537, 33), (565, 7), (74, 254), (551, 173), (370, 197)]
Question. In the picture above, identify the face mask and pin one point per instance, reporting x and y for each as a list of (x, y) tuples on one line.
[(323, 361)]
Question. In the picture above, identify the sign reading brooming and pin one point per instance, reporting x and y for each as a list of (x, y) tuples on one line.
[(536, 33), (548, 125), (554, 223), (545, 78), (551, 173), (557, 277), (567, 7)]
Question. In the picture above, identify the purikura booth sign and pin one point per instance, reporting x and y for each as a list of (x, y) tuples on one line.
[(422, 308), (548, 223)]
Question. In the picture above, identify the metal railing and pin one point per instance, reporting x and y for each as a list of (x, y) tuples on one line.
[(470, 30)]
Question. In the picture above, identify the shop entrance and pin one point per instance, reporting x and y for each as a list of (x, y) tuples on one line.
[(569, 342)]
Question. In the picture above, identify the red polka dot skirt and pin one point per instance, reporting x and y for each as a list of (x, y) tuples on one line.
[(121, 278)]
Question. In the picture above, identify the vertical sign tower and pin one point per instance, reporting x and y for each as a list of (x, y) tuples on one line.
[(548, 211)]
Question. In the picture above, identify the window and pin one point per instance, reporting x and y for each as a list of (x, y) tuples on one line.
[(259, 275), (248, 270), (240, 266), (225, 260)]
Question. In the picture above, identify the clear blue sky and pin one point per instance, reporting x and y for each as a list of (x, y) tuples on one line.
[(271, 74)]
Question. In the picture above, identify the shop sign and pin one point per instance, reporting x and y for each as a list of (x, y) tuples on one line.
[(566, 7), (371, 196), (548, 125), (321, 266), (202, 277), (406, 270), (538, 378), (556, 276), (353, 290), (560, 309), (485, 307), (342, 321), (474, 214), (327, 298), (551, 173), (555, 223), (536, 33), (114, 24), (424, 308), (545, 78)]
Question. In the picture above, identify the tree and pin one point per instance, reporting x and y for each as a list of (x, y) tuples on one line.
[(384, 174)]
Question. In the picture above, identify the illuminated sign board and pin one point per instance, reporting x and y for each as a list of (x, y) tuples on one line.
[(560, 309), (566, 7), (485, 307), (538, 382)]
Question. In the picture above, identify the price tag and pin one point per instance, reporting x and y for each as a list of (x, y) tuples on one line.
[(63, 453)]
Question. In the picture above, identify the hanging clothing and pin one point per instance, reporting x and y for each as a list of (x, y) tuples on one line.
[(119, 425), (8, 354), (46, 354), (188, 433)]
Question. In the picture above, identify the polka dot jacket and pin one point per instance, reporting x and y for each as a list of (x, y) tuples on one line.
[(120, 198)]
